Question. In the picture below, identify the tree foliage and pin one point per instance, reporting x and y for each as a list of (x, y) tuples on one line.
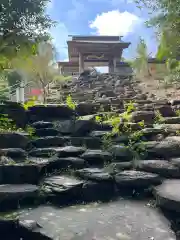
[(140, 64), (22, 24), (14, 78), (39, 68), (173, 78), (163, 48), (166, 18)]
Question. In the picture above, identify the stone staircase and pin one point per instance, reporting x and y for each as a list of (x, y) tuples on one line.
[(106, 85), (60, 182)]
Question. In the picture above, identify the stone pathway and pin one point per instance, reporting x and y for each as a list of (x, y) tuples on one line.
[(119, 220)]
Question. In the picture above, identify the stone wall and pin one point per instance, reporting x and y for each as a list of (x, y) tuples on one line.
[(123, 70)]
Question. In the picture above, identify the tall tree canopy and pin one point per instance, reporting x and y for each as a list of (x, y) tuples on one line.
[(140, 63), (22, 22), (166, 18), (164, 50)]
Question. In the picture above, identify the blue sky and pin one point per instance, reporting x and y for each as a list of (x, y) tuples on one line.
[(100, 17)]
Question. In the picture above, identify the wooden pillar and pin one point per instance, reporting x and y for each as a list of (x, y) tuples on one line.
[(21, 92), (60, 69), (111, 65), (81, 63), (114, 64)]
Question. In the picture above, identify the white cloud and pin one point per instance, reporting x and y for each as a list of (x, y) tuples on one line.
[(115, 23)]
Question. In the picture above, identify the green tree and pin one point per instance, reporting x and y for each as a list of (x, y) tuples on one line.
[(4, 92), (166, 19), (163, 48), (14, 79), (39, 68), (23, 23), (140, 64)]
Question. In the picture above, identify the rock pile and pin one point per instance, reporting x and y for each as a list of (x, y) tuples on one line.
[(92, 85)]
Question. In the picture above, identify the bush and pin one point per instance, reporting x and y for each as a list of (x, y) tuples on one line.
[(138, 150), (172, 64), (30, 103), (8, 125), (70, 103), (174, 75)]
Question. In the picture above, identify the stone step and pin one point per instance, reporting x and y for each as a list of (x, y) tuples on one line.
[(42, 125), (65, 164), (79, 128), (49, 141), (60, 141), (97, 157), (101, 221), (21, 229), (91, 156), (168, 195), (13, 140), (50, 111), (15, 154), (136, 180), (165, 149), (12, 195), (165, 169), (67, 151), (46, 132), (64, 189), (21, 173), (88, 142), (94, 174)]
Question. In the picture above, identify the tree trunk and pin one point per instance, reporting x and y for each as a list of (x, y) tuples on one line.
[(44, 95), (149, 73), (44, 92)]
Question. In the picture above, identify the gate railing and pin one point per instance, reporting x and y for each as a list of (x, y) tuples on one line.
[(17, 92)]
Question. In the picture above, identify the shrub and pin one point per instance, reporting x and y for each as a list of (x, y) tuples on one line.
[(173, 76), (135, 137), (158, 117), (30, 103), (70, 103), (8, 125)]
